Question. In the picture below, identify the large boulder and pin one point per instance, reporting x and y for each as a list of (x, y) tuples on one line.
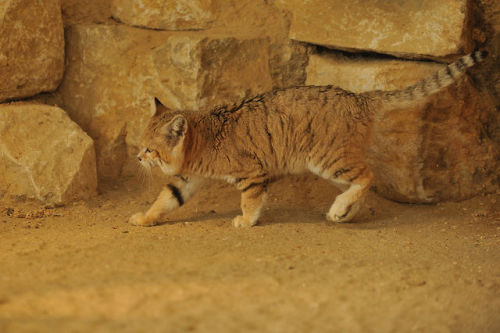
[(165, 15), (413, 28), (262, 19), (198, 72), (44, 155), (114, 72), (431, 151), (31, 47), (288, 62), (436, 149), (488, 32)]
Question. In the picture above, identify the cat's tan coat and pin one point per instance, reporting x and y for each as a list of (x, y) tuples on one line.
[(324, 130)]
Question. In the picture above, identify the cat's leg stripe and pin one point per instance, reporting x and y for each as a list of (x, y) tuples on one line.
[(177, 194), (340, 171), (184, 179), (249, 186)]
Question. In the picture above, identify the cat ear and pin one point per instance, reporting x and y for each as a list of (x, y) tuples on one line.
[(176, 127), (158, 107)]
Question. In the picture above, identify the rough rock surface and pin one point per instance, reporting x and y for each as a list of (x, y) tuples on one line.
[(435, 150), (261, 19), (360, 74), (44, 155), (198, 72), (412, 28), (165, 15), (488, 32), (86, 11), (31, 47), (114, 71), (288, 62)]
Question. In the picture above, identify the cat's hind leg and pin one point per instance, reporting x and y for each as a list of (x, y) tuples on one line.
[(347, 204), (171, 197), (253, 196)]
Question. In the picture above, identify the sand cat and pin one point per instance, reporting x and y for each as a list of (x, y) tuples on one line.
[(323, 130)]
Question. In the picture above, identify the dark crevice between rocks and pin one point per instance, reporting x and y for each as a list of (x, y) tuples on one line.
[(370, 55)]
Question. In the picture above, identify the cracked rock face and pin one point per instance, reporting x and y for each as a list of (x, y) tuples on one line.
[(388, 27), (165, 15), (437, 149), (31, 47), (114, 72), (44, 155), (431, 151)]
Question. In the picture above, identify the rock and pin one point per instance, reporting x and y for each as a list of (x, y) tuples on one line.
[(31, 47), (414, 28), (165, 15), (459, 159), (114, 72), (288, 61), (488, 21), (358, 74), (44, 155), (198, 72), (86, 11), (261, 19), (434, 150), (105, 88)]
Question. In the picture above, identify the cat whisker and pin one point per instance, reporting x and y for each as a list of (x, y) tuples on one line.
[(145, 174)]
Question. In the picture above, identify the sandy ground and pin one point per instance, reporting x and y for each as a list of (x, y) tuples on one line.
[(399, 268)]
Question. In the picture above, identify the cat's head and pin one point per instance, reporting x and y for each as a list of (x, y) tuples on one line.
[(162, 141)]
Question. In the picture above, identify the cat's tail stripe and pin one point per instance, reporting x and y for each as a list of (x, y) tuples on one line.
[(432, 84)]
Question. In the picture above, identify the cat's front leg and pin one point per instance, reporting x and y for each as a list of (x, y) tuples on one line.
[(171, 197), (253, 195)]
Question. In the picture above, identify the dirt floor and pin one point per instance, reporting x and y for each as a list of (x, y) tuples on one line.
[(399, 268)]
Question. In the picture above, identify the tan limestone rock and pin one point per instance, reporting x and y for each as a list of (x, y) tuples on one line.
[(44, 155), (460, 159), (114, 72), (86, 11), (165, 14), (198, 72), (434, 150), (414, 28), (31, 47), (261, 19), (358, 74), (104, 88), (488, 23), (437, 149), (288, 61)]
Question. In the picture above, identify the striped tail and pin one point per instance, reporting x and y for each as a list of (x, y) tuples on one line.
[(431, 84)]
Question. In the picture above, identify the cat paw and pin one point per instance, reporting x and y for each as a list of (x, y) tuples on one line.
[(337, 218), (141, 220), (241, 222), (342, 213)]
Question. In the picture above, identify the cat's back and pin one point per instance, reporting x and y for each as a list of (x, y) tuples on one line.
[(329, 101)]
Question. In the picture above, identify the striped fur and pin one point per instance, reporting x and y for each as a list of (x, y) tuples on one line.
[(323, 130), (430, 85)]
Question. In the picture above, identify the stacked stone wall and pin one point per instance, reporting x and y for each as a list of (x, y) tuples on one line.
[(102, 62)]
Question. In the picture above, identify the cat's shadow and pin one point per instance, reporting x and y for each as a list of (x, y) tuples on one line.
[(285, 216), (206, 217)]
